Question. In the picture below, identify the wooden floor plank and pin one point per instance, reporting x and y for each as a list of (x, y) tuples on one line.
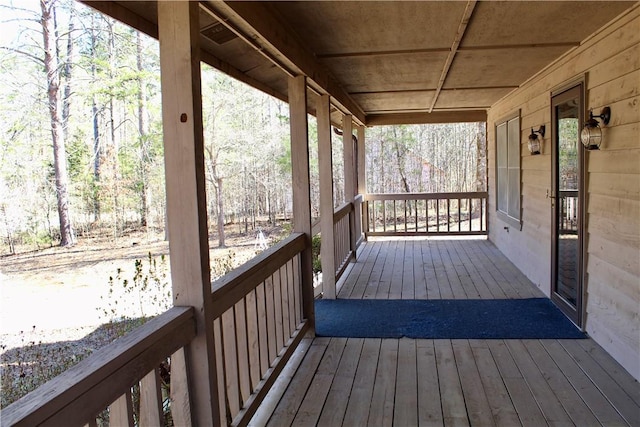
[(450, 271), (419, 278), (552, 409), (598, 403), (446, 290), (613, 368), (454, 411), (429, 406), (395, 289), (408, 279), (574, 406), (290, 402), (502, 409), (475, 398), (629, 410), (406, 406), (387, 271), (336, 403), (433, 290), (362, 270), (358, 407), (383, 396), (373, 273), (313, 402)]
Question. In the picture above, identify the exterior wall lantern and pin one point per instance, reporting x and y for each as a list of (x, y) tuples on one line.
[(591, 135), (535, 143)]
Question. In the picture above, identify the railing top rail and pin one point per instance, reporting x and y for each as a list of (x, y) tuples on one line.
[(87, 388), (342, 211), (359, 198), (234, 286), (426, 196)]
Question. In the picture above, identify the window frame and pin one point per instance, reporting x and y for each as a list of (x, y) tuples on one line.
[(507, 163)]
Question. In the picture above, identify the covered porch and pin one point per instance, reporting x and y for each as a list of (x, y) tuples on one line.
[(243, 349), (410, 382)]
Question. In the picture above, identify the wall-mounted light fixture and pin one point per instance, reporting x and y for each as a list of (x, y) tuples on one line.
[(591, 135), (535, 143)]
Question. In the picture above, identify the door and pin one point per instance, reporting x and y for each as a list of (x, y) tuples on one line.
[(567, 202)]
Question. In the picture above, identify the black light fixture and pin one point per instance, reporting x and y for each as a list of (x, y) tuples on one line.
[(535, 143), (591, 135)]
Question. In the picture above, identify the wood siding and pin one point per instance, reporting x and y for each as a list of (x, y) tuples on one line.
[(609, 60)]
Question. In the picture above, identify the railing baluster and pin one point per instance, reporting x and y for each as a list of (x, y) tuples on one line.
[(292, 297), (395, 217), (252, 339), (405, 216), (437, 215), (277, 310), (179, 391), (271, 319), (284, 286), (459, 214), (263, 343), (121, 411), (448, 215), (297, 289), (230, 356), (151, 400), (384, 216), (242, 349)]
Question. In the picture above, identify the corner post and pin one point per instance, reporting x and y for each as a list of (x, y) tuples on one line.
[(349, 174), (301, 189), (325, 165), (178, 29), (361, 221)]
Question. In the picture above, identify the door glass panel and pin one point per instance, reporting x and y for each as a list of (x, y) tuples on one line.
[(567, 188)]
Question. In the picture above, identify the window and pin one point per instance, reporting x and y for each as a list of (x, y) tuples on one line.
[(508, 169)]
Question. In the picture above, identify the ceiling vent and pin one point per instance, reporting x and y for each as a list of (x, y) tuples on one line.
[(218, 33)]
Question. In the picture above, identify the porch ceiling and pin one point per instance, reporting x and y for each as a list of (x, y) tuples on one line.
[(388, 61)]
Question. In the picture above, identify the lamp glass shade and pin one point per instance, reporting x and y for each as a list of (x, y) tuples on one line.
[(534, 144), (591, 136)]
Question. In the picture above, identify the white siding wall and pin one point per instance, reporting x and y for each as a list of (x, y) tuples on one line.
[(611, 61)]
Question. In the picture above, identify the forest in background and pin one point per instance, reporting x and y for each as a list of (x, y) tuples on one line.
[(81, 138)]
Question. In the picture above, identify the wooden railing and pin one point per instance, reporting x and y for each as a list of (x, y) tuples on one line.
[(413, 214), (258, 323), (343, 237), (105, 380)]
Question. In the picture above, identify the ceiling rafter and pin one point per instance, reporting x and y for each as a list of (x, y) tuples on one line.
[(466, 17), (256, 24)]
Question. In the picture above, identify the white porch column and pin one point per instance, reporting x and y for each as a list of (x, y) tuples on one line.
[(301, 191), (325, 165), (186, 200)]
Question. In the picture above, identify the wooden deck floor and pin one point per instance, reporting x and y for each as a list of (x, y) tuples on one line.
[(424, 382)]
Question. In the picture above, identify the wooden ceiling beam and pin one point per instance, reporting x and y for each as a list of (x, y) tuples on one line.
[(122, 14), (468, 116), (255, 23), (466, 17)]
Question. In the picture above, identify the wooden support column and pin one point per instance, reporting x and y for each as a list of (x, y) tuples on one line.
[(325, 164), (361, 179), (178, 30), (348, 156), (349, 175), (301, 191)]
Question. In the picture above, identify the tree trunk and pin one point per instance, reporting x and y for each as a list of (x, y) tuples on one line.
[(221, 242), (97, 149), (144, 140), (57, 134)]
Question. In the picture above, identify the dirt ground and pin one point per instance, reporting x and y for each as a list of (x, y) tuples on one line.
[(61, 288)]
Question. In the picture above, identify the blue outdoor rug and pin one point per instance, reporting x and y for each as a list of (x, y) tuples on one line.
[(534, 318)]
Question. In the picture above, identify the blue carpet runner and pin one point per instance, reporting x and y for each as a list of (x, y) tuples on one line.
[(533, 318)]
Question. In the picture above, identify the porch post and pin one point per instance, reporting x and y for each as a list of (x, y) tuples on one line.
[(301, 191), (349, 175), (178, 30), (348, 156), (361, 181), (325, 165)]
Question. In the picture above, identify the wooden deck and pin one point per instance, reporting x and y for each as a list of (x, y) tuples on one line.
[(405, 382)]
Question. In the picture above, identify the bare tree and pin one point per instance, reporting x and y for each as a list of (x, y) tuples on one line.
[(51, 65)]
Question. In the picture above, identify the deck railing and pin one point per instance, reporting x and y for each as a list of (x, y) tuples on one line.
[(258, 324), (413, 214), (104, 381)]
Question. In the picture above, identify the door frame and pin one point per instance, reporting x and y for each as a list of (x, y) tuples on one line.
[(570, 91)]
